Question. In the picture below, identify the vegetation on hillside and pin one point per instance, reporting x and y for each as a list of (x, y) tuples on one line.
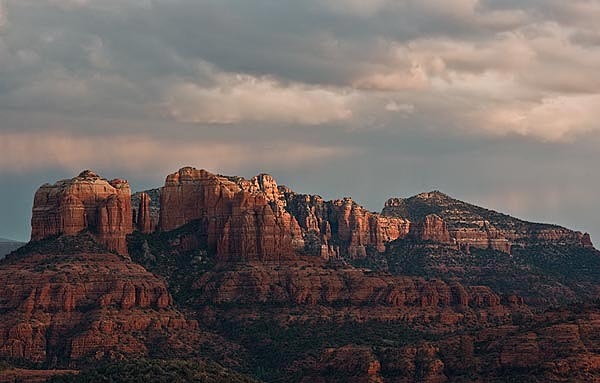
[(156, 371)]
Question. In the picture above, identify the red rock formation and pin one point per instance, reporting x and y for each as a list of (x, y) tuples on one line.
[(84, 202), (144, 221), (241, 219), (586, 241), (342, 226), (83, 305), (257, 231), (473, 226), (363, 364), (309, 283), (431, 228), (483, 237), (554, 347), (352, 364), (331, 229)]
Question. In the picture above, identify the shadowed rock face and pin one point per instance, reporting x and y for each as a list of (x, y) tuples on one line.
[(144, 220), (86, 202), (306, 282), (557, 346)]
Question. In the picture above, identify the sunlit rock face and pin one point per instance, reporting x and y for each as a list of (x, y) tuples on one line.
[(341, 228), (86, 202), (242, 219), (431, 228), (257, 219), (473, 226)]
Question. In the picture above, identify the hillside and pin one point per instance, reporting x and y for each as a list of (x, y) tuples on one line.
[(7, 246)]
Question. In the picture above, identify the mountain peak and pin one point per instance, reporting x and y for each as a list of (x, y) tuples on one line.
[(434, 194)]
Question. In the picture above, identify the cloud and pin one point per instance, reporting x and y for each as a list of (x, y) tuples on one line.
[(2, 15), (393, 106), (433, 93), (354, 7), (242, 98), (135, 153), (305, 63), (559, 118), (414, 78)]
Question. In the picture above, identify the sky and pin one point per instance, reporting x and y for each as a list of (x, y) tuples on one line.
[(496, 102)]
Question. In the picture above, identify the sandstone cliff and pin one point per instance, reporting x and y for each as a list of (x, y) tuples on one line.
[(342, 227), (241, 220), (257, 217), (86, 202)]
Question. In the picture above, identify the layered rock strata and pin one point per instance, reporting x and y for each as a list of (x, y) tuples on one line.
[(241, 219), (86, 202), (473, 226), (56, 308)]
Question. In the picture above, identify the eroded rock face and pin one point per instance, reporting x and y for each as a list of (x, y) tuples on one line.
[(342, 227), (362, 364), (86, 202), (431, 228), (347, 364), (309, 283), (144, 220), (242, 219), (69, 307), (333, 229), (473, 226)]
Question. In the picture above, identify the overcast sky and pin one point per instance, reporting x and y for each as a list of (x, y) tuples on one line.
[(496, 102)]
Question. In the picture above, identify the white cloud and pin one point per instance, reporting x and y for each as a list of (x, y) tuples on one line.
[(558, 118), (242, 98), (414, 78)]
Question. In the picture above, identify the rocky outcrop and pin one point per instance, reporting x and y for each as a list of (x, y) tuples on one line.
[(310, 283), (146, 210), (258, 230), (432, 228), (473, 226), (332, 229), (342, 227), (144, 220), (352, 364), (56, 308), (240, 218), (363, 364), (86, 202), (556, 346)]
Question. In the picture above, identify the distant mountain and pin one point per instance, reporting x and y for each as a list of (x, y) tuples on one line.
[(8, 245)]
